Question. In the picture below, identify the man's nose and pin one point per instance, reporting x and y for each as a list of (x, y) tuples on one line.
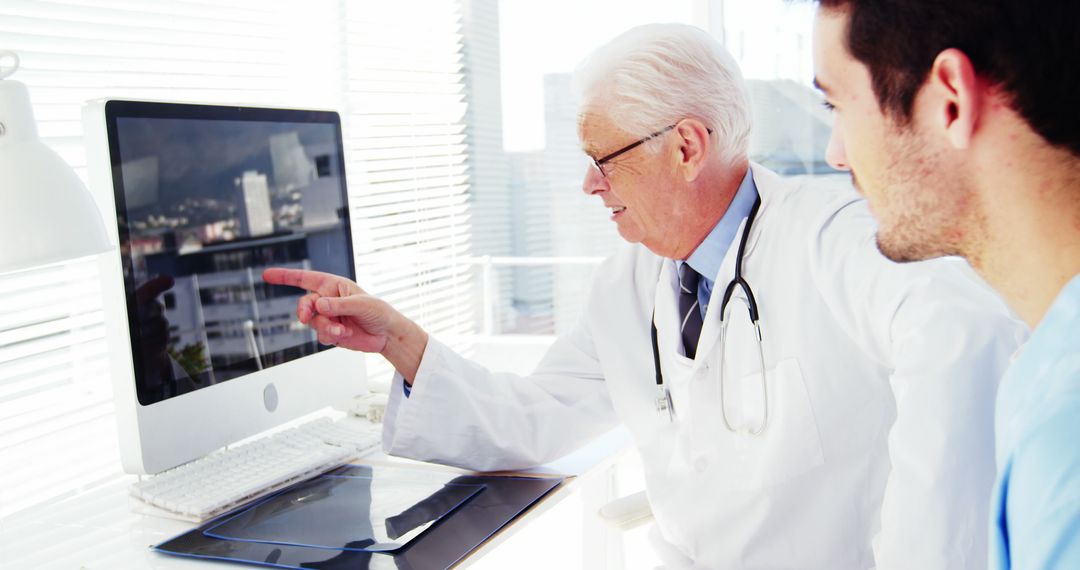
[(594, 181), (835, 153)]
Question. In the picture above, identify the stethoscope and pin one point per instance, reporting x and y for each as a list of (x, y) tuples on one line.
[(663, 395)]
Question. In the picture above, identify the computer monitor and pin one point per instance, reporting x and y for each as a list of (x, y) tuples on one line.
[(200, 199)]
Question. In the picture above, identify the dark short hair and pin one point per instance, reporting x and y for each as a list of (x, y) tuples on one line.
[(1028, 48)]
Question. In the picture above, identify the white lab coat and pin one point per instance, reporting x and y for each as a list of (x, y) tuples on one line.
[(881, 379)]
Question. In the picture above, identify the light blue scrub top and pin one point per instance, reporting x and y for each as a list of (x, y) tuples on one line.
[(1036, 500)]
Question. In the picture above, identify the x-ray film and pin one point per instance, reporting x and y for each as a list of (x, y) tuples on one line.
[(380, 510), (441, 545)]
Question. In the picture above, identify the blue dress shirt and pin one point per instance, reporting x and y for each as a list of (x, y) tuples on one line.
[(708, 256), (1036, 501)]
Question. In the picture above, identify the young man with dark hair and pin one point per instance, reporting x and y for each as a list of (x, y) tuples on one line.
[(958, 121)]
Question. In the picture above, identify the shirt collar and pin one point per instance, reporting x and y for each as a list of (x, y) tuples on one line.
[(708, 256)]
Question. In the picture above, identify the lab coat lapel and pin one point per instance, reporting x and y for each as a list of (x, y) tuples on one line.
[(676, 368), (693, 414), (667, 311)]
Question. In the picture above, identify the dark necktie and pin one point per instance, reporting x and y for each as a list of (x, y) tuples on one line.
[(689, 311)]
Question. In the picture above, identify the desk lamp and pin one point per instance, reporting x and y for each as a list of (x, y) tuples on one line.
[(46, 213)]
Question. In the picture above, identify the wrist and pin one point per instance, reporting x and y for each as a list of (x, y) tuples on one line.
[(405, 346)]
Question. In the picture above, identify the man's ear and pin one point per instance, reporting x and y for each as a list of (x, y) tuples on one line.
[(952, 97), (694, 144)]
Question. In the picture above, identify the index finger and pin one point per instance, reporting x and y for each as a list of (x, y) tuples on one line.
[(314, 281)]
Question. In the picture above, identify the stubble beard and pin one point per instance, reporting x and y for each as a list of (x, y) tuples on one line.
[(932, 211)]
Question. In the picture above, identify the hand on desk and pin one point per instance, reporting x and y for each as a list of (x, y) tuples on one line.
[(342, 314)]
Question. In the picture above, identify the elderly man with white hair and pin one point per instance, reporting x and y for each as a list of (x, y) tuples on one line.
[(798, 400)]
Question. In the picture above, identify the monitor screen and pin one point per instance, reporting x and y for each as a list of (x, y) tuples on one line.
[(206, 198)]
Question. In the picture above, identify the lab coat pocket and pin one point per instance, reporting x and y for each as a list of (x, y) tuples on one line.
[(789, 444)]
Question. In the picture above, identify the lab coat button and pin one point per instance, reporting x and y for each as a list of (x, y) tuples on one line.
[(701, 465)]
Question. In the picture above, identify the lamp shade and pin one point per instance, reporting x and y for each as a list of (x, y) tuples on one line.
[(46, 213)]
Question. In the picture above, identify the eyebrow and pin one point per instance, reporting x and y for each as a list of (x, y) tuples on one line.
[(589, 149), (820, 86)]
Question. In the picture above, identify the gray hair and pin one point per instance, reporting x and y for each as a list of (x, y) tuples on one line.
[(657, 74)]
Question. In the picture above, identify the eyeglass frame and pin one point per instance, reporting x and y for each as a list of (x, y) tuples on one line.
[(599, 162)]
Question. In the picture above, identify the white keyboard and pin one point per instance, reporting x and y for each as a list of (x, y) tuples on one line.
[(209, 486)]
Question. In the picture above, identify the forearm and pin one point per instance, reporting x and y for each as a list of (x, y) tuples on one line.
[(460, 413)]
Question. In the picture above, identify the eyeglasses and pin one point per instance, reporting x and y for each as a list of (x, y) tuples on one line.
[(599, 162)]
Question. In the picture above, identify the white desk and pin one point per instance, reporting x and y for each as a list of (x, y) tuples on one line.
[(97, 531)]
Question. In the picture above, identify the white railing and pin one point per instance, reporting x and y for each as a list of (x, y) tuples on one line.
[(490, 284), (488, 265)]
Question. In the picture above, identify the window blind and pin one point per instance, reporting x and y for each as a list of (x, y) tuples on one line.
[(392, 69), (406, 108)]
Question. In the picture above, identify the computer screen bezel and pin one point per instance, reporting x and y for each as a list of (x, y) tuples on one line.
[(239, 407)]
